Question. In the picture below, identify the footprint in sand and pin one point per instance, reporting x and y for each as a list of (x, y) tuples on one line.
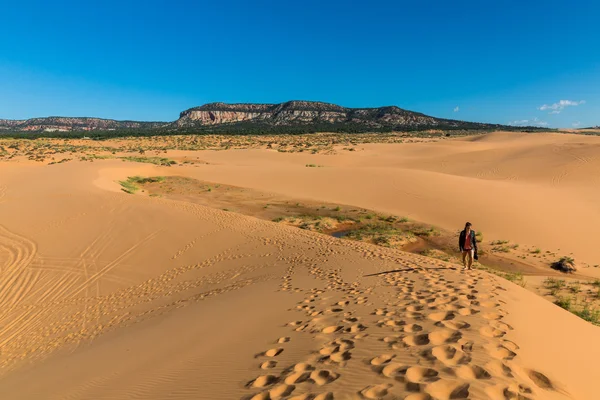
[(382, 359), (329, 350), (489, 304), (268, 364), (449, 355), (501, 392), (472, 372), (264, 380), (416, 340), (497, 368), (340, 357), (441, 316), (394, 323), (302, 367), (492, 315), (540, 380), (355, 328), (455, 325), (412, 328), (421, 374), (510, 345), (444, 336), (332, 329), (491, 332), (394, 370), (273, 352), (500, 352), (446, 390), (501, 326), (323, 376), (280, 391), (297, 377), (390, 339), (376, 392)]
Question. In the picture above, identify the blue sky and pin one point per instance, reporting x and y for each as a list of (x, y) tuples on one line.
[(488, 61)]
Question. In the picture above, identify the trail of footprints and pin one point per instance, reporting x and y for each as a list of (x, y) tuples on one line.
[(443, 339)]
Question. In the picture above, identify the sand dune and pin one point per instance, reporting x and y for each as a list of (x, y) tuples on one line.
[(536, 189), (107, 295)]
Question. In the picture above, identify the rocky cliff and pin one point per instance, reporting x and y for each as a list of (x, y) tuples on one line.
[(288, 117), (317, 114)]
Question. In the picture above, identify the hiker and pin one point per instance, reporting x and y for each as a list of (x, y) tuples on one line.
[(468, 246)]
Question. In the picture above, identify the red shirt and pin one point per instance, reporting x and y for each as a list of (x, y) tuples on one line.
[(468, 241)]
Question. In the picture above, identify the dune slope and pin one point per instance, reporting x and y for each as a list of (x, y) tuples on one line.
[(113, 296)]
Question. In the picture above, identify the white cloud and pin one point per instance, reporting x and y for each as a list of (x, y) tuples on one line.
[(519, 122), (576, 124), (526, 122), (556, 108), (456, 109)]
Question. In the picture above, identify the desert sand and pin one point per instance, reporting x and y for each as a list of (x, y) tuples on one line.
[(107, 295)]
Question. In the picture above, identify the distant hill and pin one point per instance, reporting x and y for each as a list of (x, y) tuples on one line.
[(53, 124), (245, 118)]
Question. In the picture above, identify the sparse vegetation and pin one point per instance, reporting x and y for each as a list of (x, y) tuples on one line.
[(584, 312), (131, 184), (150, 160), (565, 264)]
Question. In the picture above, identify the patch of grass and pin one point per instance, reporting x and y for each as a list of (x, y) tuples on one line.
[(150, 160), (499, 242), (338, 208), (585, 313), (423, 231), (588, 315), (554, 285), (313, 166), (564, 302), (140, 180), (501, 249), (403, 220), (575, 287), (278, 219), (537, 251), (131, 184), (64, 160)]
